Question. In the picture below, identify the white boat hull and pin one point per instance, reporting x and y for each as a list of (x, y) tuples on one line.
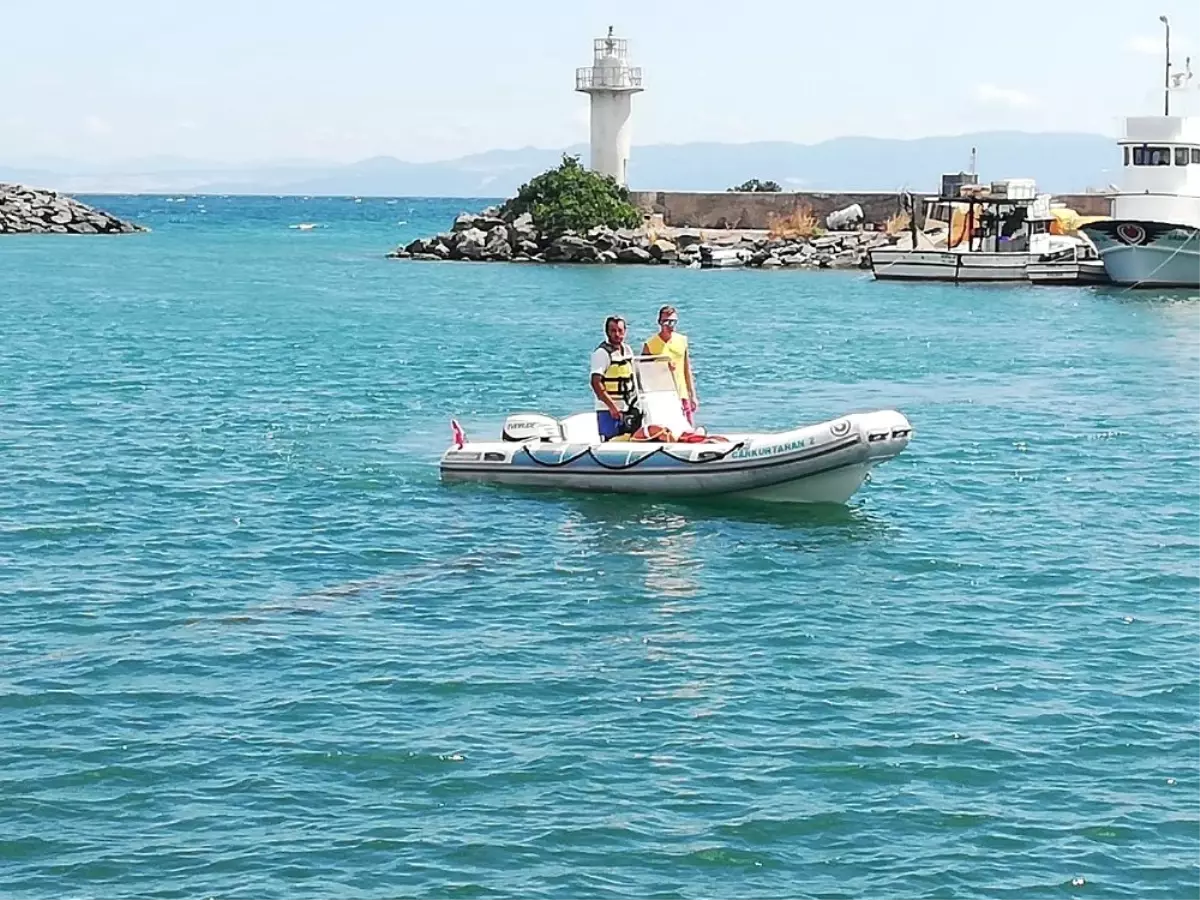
[(723, 257), (1147, 254), (824, 463), (889, 264), (1089, 271)]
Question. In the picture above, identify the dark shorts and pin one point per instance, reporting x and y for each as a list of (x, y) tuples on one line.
[(609, 426)]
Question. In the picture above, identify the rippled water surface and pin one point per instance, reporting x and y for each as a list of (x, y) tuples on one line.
[(253, 648)]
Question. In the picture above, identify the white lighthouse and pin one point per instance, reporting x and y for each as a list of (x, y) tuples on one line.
[(611, 82)]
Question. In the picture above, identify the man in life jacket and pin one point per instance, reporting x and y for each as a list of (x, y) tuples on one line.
[(674, 345), (612, 380)]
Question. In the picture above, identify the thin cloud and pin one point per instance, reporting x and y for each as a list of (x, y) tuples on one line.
[(1147, 45), (96, 125), (1002, 96), (1157, 46)]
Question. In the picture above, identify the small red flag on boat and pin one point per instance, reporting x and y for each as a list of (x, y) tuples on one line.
[(459, 437)]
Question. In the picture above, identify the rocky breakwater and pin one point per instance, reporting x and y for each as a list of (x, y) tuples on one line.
[(489, 237), (837, 250), (25, 210)]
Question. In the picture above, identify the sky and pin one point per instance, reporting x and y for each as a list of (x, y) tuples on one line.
[(244, 81)]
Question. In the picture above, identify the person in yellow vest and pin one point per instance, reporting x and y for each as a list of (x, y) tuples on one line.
[(612, 379), (674, 345)]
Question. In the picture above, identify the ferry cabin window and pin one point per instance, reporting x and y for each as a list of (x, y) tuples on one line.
[(1181, 156), (1126, 156), (1151, 156), (1196, 156)]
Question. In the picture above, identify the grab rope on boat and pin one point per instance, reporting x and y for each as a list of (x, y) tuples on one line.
[(587, 451)]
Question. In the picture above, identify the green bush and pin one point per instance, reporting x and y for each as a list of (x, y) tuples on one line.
[(572, 197), (755, 185)]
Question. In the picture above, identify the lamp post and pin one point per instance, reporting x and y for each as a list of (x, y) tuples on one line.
[(1167, 72)]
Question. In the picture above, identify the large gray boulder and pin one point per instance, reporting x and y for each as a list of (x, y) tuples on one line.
[(633, 254), (487, 223), (469, 244), (663, 250), (845, 259), (571, 248), (603, 238), (522, 229), (497, 246)]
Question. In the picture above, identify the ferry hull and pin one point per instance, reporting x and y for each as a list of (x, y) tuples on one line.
[(1148, 254)]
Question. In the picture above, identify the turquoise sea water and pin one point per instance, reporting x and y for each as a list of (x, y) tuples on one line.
[(252, 647)]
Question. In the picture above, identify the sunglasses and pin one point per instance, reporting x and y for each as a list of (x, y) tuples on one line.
[(671, 322)]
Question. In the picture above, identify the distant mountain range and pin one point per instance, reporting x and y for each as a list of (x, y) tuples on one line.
[(1060, 162)]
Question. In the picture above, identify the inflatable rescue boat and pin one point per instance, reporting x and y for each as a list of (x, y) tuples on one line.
[(822, 463)]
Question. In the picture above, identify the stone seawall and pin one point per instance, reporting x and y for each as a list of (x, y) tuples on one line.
[(734, 209), (746, 210)]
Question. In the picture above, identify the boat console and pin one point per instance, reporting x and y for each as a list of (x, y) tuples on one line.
[(654, 401)]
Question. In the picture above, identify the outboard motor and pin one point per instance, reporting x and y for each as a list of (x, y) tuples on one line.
[(531, 427)]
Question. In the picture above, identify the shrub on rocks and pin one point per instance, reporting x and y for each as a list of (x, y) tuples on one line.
[(572, 198)]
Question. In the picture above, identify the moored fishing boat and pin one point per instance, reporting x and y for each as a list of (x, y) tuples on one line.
[(993, 233)]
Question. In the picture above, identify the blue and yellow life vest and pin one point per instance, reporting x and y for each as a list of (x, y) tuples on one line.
[(618, 377)]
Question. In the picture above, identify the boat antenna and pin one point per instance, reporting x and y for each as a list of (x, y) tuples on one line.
[(972, 160), (1167, 73)]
